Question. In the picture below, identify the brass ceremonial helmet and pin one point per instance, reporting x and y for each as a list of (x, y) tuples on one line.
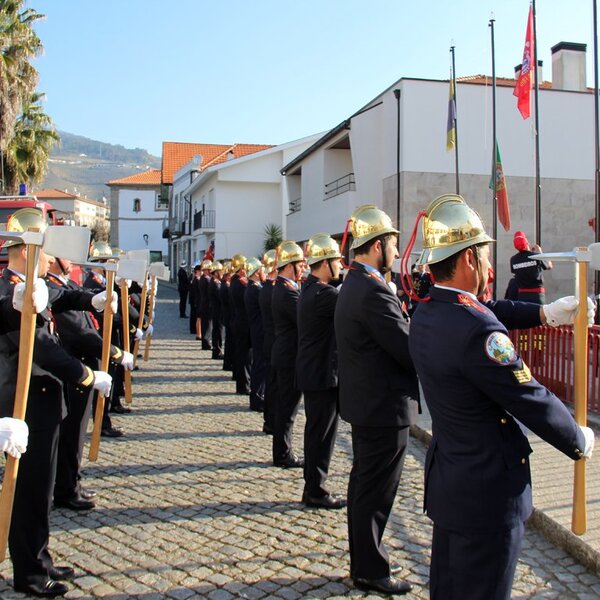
[(206, 264), (449, 226), (321, 246), (288, 252), (216, 266), (101, 251), (368, 222), (270, 260), (118, 251), (22, 220), (238, 261), (252, 265), (226, 266)]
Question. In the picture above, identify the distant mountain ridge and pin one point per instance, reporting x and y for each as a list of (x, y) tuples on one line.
[(83, 166)]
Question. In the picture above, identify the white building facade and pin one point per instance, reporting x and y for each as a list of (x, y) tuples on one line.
[(357, 163), (138, 214)]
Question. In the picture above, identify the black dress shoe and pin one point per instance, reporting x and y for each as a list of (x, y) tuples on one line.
[(386, 585), (268, 430), (218, 356), (87, 494), (290, 462), (76, 503), (49, 589), (111, 432), (327, 501), (120, 409), (61, 573)]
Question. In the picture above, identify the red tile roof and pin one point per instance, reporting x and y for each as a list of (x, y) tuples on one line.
[(500, 81), (53, 193), (150, 177), (177, 154)]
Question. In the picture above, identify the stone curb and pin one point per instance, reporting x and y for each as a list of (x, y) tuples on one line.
[(555, 533)]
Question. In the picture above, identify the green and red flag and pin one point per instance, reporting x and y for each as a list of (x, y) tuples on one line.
[(501, 191)]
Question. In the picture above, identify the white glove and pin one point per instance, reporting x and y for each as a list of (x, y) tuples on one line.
[(155, 286), (40, 296), (102, 383), (13, 436), (588, 434), (563, 311), (99, 302), (393, 287), (127, 361), (139, 334), (149, 330), (118, 281)]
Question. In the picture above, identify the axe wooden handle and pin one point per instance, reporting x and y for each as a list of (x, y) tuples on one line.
[(106, 339), (151, 310), (580, 345), (125, 317), (26, 343), (144, 299)]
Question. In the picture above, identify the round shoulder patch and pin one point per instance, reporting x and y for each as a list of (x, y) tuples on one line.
[(500, 349)]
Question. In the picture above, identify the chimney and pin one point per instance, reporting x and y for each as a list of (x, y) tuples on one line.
[(539, 72), (568, 66)]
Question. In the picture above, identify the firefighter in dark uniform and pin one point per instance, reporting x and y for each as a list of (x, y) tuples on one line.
[(264, 300), (183, 287), (284, 305), (527, 272), (214, 306), (477, 474), (192, 302), (240, 326), (256, 277), (204, 305), (316, 368), (225, 298), (78, 331), (378, 394), (33, 569)]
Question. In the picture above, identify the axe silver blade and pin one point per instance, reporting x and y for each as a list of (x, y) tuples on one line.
[(26, 237), (98, 265), (558, 256), (71, 243)]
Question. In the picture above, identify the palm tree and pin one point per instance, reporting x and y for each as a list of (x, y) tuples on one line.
[(273, 237), (18, 78), (29, 149)]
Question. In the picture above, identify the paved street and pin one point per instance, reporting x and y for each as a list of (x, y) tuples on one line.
[(189, 505)]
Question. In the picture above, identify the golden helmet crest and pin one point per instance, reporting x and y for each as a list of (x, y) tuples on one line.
[(238, 261), (101, 251), (288, 252), (368, 222), (206, 264), (22, 220), (253, 264), (216, 266), (270, 260), (321, 246), (449, 226), (227, 266)]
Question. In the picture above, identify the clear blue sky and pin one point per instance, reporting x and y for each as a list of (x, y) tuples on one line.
[(140, 72)]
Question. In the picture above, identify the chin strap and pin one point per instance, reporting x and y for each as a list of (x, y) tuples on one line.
[(405, 273)]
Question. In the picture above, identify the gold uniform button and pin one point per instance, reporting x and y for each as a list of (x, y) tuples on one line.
[(523, 461), (503, 421), (43, 389)]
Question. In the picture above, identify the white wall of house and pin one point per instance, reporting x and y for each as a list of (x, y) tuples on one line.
[(133, 225)]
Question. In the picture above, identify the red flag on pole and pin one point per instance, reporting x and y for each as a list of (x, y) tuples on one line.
[(525, 81)]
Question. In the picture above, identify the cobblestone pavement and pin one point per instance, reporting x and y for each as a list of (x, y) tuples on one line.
[(189, 505)]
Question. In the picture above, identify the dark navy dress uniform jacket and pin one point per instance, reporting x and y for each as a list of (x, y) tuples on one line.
[(477, 475)]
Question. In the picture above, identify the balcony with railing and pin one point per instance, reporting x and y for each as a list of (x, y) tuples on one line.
[(204, 219), (345, 183), (295, 205)]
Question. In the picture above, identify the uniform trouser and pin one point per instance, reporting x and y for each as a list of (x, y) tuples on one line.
[(218, 335), (70, 442), (117, 391), (376, 468), (229, 350), (271, 394), (183, 294), (242, 362), (206, 328), (193, 318), (29, 529), (321, 409), (288, 400), (258, 373), (474, 566)]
